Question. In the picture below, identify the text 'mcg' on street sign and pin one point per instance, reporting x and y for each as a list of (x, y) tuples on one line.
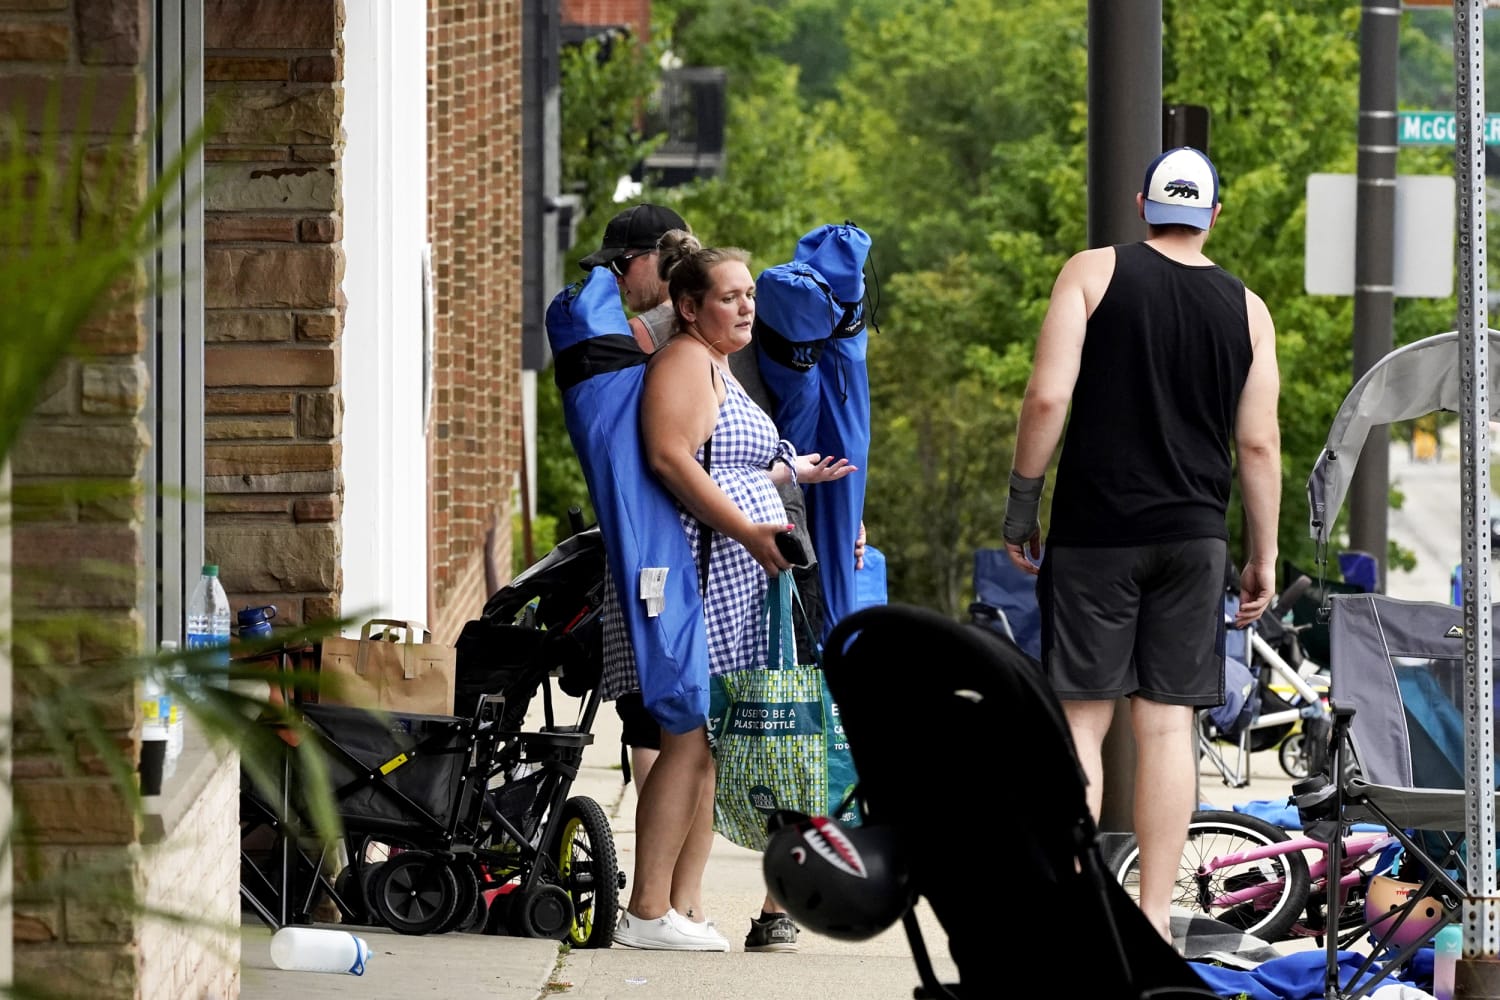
[(1437, 128)]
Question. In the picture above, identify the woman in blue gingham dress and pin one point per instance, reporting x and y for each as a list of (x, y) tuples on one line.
[(744, 444), (688, 398)]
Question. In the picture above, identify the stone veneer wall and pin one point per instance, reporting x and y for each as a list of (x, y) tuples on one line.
[(79, 837), (474, 211), (195, 871), (272, 266), (271, 277)]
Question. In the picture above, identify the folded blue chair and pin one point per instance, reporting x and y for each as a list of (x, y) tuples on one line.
[(1005, 599)]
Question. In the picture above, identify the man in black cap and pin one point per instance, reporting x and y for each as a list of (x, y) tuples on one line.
[(630, 236)]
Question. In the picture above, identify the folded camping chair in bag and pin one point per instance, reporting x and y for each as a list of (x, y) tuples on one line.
[(1398, 743), (902, 675)]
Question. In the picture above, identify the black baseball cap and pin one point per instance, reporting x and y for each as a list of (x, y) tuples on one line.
[(635, 228)]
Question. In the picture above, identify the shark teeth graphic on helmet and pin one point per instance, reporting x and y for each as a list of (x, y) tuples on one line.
[(825, 838)]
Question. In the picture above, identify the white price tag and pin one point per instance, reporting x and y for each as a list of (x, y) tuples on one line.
[(653, 589)]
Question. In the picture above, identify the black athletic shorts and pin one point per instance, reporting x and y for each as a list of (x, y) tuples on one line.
[(1142, 620), (639, 727)]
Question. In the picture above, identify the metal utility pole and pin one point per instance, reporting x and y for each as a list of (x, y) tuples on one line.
[(1125, 116), (1375, 262), (1125, 127), (1477, 973)]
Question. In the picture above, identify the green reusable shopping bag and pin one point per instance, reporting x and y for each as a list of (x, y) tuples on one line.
[(778, 741)]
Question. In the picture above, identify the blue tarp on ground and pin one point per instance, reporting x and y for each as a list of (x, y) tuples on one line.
[(1300, 976), (599, 369), (1285, 815)]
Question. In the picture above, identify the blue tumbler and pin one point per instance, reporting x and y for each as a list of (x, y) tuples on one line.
[(255, 623)]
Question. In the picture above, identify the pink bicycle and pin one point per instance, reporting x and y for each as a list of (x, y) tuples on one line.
[(1258, 878)]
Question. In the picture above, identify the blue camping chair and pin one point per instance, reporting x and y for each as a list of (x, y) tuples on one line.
[(1005, 600), (1360, 569)]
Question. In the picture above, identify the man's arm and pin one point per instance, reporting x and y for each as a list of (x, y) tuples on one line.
[(1257, 441), (1044, 410)]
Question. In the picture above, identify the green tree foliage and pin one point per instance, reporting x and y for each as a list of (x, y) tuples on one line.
[(605, 84), (786, 175), (955, 133), (969, 124)]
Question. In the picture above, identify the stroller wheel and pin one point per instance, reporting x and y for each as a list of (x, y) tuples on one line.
[(415, 893), (468, 896), (478, 917), (1292, 756), (589, 872), (544, 912)]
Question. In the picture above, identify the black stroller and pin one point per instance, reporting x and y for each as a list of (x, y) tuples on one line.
[(548, 857), (988, 701), (463, 822)]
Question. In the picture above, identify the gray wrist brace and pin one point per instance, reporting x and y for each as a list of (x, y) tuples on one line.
[(1021, 520)]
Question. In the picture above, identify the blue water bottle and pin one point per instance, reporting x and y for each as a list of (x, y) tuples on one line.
[(255, 623)]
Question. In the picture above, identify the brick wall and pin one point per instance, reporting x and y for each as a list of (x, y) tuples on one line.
[(636, 14), (272, 266), (474, 211)]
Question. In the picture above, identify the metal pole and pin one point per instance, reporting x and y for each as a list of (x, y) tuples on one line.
[(1477, 973), (1125, 128), (1375, 262), (1125, 116)]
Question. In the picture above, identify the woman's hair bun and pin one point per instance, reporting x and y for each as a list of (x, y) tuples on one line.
[(674, 246)]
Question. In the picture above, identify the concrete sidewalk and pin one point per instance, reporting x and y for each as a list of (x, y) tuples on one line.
[(480, 967), (402, 967)]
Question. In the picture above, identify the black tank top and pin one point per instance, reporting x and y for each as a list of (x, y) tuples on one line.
[(1145, 457)]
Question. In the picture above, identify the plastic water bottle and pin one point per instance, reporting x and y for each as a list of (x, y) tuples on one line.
[(316, 949), (1450, 944), (208, 619)]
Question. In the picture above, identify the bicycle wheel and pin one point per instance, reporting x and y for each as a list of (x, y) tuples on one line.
[(588, 871), (1281, 883)]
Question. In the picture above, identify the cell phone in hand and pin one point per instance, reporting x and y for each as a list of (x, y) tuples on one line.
[(792, 549)]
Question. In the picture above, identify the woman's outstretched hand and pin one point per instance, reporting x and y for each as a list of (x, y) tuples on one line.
[(814, 468)]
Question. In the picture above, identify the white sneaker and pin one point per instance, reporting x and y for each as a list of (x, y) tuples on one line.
[(664, 933), (705, 930)]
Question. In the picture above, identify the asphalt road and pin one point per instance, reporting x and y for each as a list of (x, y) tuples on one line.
[(1430, 521)]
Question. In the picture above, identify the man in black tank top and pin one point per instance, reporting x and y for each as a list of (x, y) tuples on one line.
[(1159, 363)]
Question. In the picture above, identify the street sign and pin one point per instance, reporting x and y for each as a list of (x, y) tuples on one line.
[(1437, 128), (1424, 235)]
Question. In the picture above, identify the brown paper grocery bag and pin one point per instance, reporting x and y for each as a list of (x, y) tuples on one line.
[(400, 670)]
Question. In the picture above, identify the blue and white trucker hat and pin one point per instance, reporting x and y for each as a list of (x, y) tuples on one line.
[(1182, 188)]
